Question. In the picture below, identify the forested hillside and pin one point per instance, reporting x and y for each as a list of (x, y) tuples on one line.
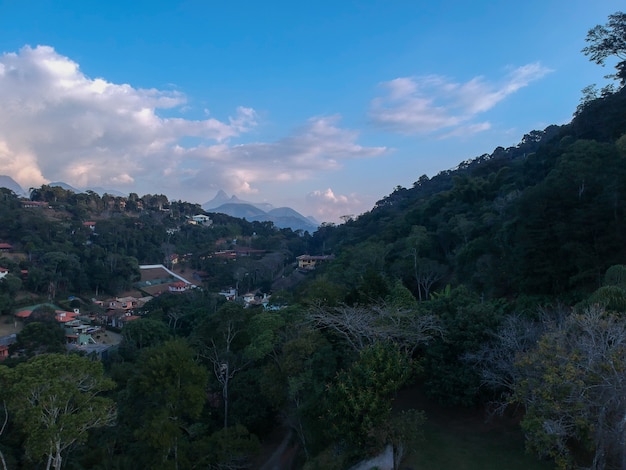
[(497, 287), (543, 218)]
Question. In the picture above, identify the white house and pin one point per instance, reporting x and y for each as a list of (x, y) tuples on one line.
[(202, 219)]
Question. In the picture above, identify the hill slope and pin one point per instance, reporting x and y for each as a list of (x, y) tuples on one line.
[(546, 217)]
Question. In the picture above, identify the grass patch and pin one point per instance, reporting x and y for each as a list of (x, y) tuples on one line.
[(462, 439), (458, 449)]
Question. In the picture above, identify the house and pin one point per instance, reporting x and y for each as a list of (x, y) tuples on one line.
[(201, 219), (118, 310), (156, 279), (65, 317), (248, 298), (90, 225), (113, 317), (179, 286), (226, 254), (5, 342), (230, 293), (123, 303), (247, 251), (27, 204), (252, 299), (5, 247), (308, 263)]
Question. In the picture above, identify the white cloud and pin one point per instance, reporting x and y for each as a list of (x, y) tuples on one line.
[(318, 146), (430, 104), (57, 124), (331, 207), (62, 125)]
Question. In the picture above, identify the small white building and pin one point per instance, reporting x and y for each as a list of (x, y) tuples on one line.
[(201, 219)]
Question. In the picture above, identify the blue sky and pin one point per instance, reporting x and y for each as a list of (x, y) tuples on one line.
[(322, 106)]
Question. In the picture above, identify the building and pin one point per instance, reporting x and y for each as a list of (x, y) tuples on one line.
[(5, 342), (308, 262), (28, 204), (201, 219), (179, 286)]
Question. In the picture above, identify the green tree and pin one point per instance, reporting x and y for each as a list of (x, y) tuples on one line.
[(572, 386), (359, 399), (468, 323), (295, 382), (56, 400), (228, 448), (141, 334), (612, 294), (9, 287), (40, 338), (5, 380), (609, 40), (164, 398)]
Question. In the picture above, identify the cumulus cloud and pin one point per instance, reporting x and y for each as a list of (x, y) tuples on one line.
[(431, 104), (318, 146), (336, 207), (58, 124)]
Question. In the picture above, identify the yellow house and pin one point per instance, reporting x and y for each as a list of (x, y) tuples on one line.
[(308, 262)]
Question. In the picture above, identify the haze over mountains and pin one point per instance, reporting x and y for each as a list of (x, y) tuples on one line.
[(282, 217), (10, 183)]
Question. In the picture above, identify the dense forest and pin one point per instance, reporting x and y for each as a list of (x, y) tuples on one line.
[(499, 285)]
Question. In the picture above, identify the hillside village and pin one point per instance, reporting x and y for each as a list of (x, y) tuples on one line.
[(95, 315)]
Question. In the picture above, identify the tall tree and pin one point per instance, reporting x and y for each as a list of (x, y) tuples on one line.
[(165, 398), (56, 399), (573, 388), (609, 40), (222, 340), (359, 400)]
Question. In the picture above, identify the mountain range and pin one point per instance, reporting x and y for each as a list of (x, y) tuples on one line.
[(281, 217), (10, 183)]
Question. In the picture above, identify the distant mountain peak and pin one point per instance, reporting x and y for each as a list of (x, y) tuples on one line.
[(282, 217), (222, 198), (10, 183)]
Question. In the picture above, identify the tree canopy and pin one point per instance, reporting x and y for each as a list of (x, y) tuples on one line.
[(609, 40)]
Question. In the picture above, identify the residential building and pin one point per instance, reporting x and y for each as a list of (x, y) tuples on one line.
[(308, 262)]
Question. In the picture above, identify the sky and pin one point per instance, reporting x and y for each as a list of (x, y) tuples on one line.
[(324, 106)]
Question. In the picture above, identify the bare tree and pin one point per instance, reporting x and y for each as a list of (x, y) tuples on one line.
[(362, 326), (226, 364), (426, 272), (174, 316), (574, 383), (496, 360)]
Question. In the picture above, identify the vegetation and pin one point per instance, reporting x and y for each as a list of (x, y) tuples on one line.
[(497, 286)]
